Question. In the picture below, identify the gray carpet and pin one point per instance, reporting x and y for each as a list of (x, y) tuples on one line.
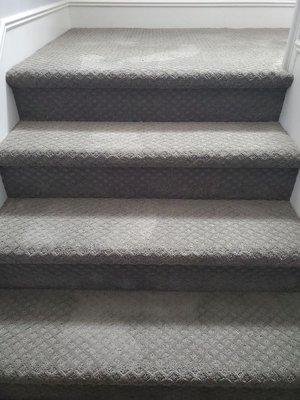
[(194, 233), (237, 341), (189, 145), (157, 58), (164, 105), (155, 75), (184, 183), (171, 232), (150, 277), (162, 160), (149, 166), (125, 392)]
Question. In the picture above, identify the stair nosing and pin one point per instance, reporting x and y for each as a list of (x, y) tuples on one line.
[(140, 146)]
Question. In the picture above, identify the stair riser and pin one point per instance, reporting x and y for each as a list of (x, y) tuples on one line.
[(78, 392), (202, 183), (150, 277), (150, 104)]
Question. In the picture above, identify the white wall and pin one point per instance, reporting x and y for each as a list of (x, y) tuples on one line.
[(290, 120), (20, 37), (10, 7), (181, 13), (290, 115)]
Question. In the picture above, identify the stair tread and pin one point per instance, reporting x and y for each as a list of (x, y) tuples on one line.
[(158, 58), (153, 144), (149, 232), (147, 338)]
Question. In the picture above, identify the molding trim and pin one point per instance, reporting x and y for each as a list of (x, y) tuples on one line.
[(2, 37), (16, 20), (25, 17), (295, 198), (30, 15), (294, 36), (20, 36), (3, 195), (182, 3), (181, 13)]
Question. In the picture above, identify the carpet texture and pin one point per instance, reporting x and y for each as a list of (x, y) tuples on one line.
[(67, 104), (123, 392), (150, 277), (170, 232), (246, 341), (251, 239), (185, 183), (162, 160), (154, 75), (189, 145), (157, 58), (148, 249)]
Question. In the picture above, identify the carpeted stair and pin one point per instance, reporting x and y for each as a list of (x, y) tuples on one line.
[(161, 160), (155, 75), (149, 244), (148, 249), (87, 344)]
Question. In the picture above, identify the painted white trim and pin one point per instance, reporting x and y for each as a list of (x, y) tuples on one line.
[(30, 15), (182, 3), (16, 20), (181, 14), (290, 53), (21, 35), (33, 14), (290, 117), (2, 33), (295, 198), (3, 195)]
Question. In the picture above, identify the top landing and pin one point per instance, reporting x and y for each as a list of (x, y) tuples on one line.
[(158, 58)]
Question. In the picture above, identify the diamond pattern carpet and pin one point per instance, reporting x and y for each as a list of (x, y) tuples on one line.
[(157, 58), (162, 160), (148, 249), (154, 75), (147, 338), (149, 244)]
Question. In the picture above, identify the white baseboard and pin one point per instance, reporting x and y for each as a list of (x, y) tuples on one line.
[(21, 35), (295, 198), (291, 48), (181, 14), (290, 116), (3, 195)]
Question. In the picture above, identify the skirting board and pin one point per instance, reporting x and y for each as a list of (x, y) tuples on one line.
[(290, 117), (181, 14), (21, 35)]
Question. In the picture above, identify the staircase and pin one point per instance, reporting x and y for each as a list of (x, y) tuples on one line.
[(150, 164)]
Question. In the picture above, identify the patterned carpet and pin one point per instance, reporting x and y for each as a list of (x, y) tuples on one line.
[(148, 249)]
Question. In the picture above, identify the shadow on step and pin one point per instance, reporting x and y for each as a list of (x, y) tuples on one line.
[(73, 392), (140, 308)]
